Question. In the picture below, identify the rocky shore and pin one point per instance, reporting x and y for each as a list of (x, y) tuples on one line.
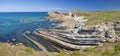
[(71, 33)]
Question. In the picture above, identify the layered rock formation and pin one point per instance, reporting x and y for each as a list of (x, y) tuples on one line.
[(75, 36), (71, 21)]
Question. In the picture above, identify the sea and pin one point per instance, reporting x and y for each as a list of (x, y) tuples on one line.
[(14, 24)]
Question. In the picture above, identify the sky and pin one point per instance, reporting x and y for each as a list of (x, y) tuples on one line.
[(58, 5)]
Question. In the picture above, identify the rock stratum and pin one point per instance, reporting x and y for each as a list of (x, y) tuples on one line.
[(71, 21)]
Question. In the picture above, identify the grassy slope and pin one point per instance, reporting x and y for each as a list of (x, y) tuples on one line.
[(18, 50), (108, 49), (98, 17)]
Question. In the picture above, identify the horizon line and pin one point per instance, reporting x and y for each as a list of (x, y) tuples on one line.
[(61, 11)]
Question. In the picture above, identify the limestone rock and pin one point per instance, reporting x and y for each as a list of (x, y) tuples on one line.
[(56, 16), (68, 24), (107, 32)]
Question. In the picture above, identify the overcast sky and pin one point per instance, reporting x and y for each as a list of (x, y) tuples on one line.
[(58, 5)]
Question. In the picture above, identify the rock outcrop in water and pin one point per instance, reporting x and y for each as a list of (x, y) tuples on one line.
[(24, 21)]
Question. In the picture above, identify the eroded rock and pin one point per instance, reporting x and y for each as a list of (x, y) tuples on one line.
[(107, 32)]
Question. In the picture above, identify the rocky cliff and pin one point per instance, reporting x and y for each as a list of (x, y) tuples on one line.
[(64, 19)]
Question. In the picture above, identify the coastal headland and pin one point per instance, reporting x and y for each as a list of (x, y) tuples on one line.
[(76, 33), (73, 32)]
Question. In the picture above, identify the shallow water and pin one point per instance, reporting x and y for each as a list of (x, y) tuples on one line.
[(14, 24)]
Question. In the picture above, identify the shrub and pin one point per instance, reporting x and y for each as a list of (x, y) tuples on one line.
[(88, 50), (28, 50), (117, 50), (107, 53), (62, 53), (117, 47), (77, 53)]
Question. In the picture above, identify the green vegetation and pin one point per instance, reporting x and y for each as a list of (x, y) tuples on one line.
[(107, 53), (77, 53), (117, 50), (17, 50), (99, 17), (62, 53), (28, 50), (117, 33), (89, 50), (108, 49)]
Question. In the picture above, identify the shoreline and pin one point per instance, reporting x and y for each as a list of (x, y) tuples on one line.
[(98, 34)]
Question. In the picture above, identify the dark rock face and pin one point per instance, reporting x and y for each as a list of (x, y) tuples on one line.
[(117, 29), (117, 26)]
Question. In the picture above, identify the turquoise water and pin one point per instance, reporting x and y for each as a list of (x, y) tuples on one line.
[(14, 24)]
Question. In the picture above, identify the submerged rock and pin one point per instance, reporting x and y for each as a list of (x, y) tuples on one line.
[(24, 21)]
